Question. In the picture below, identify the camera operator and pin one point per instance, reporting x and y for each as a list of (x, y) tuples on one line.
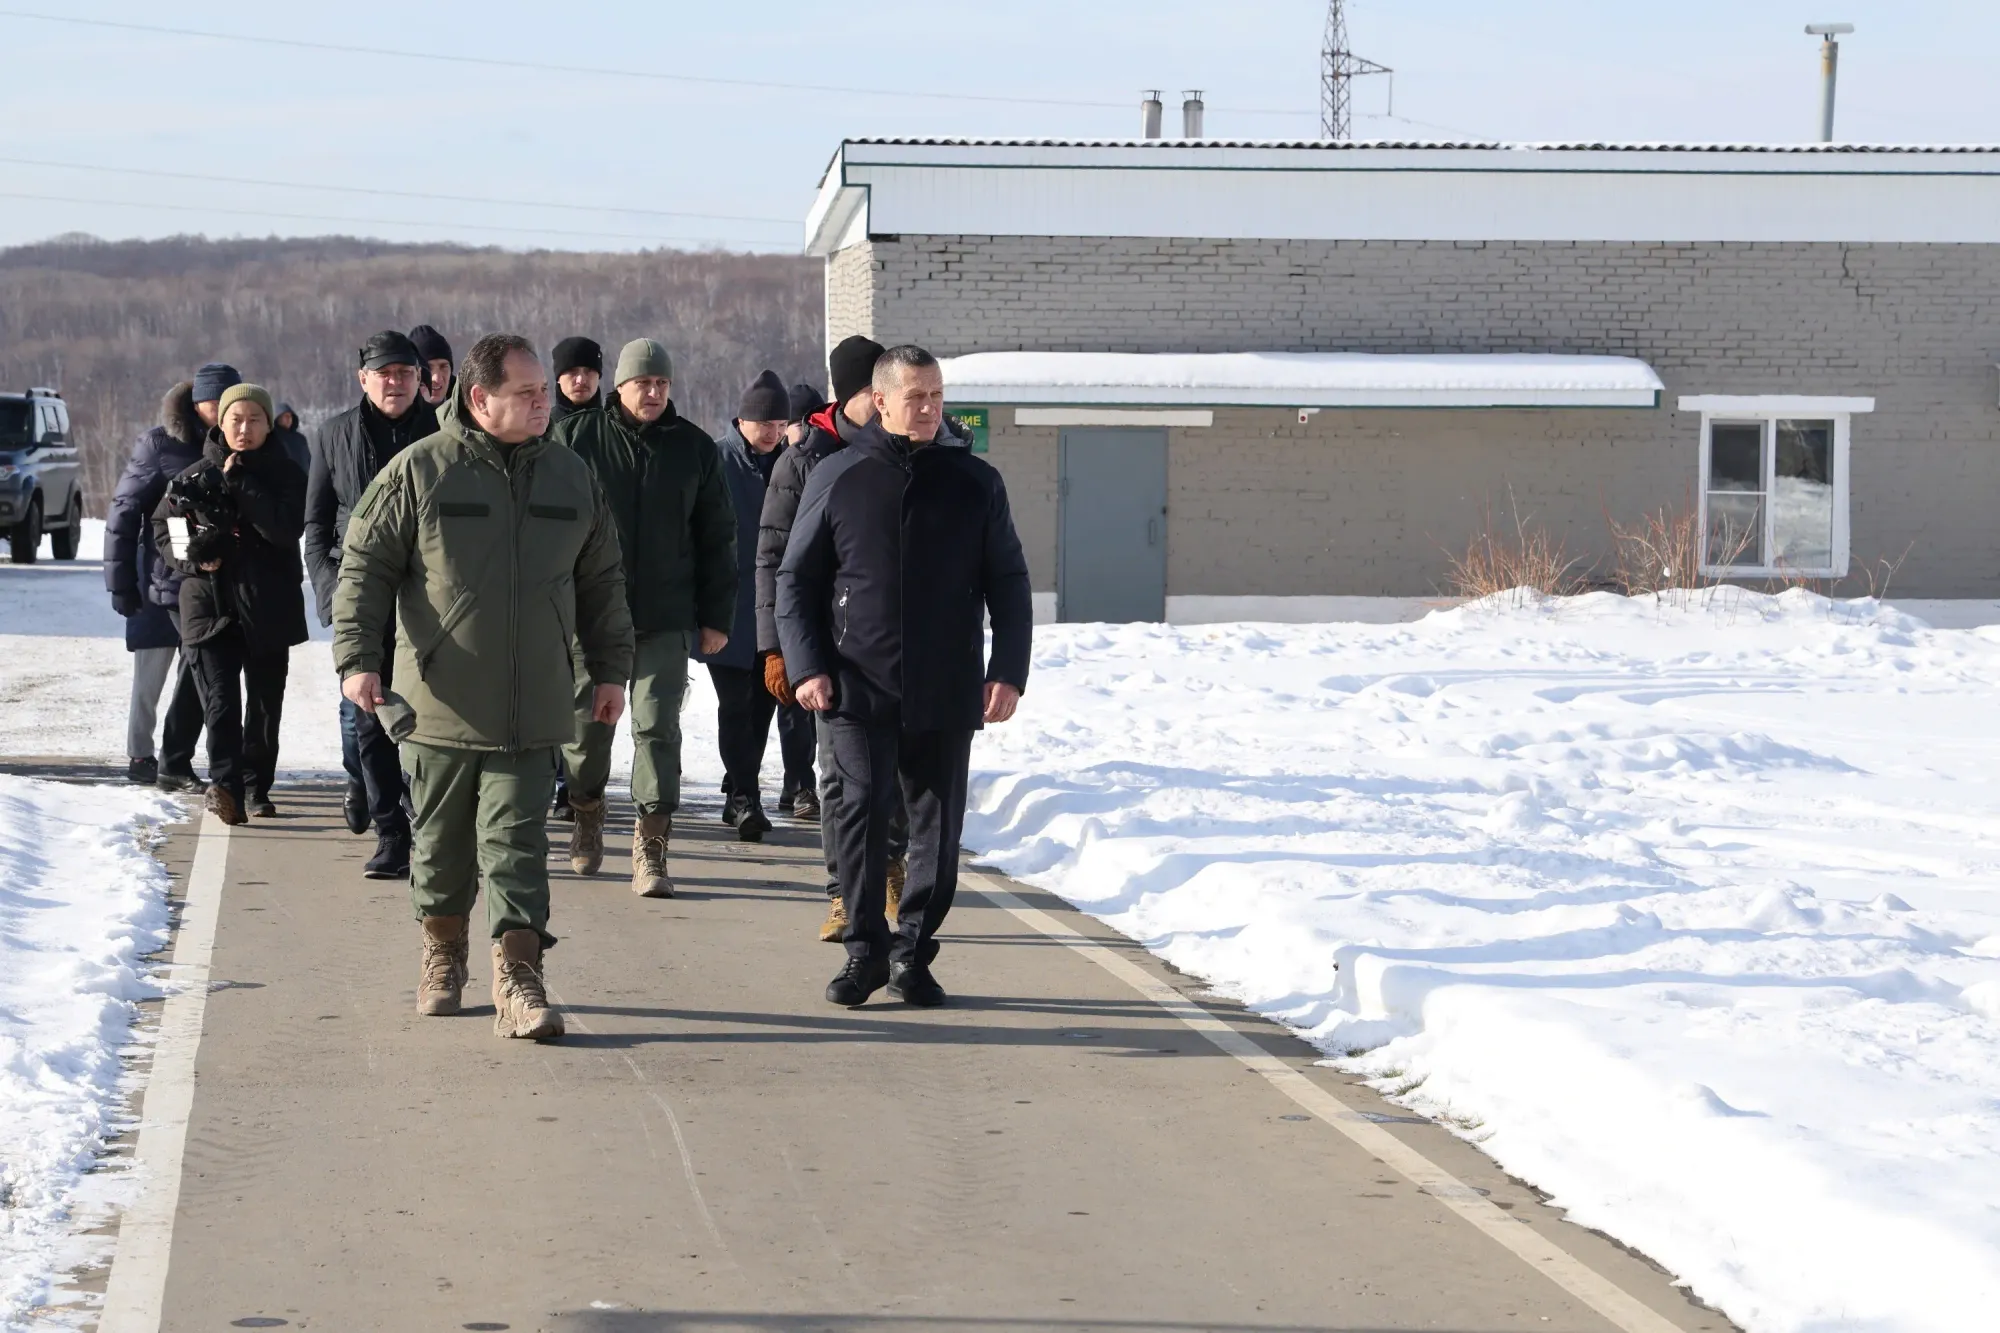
[(231, 525)]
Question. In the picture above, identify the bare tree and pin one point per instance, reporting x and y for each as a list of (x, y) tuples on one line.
[(114, 324)]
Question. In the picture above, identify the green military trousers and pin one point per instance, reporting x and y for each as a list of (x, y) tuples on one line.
[(480, 816), (659, 683)]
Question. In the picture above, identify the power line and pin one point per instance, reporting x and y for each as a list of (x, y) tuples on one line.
[(546, 67), (372, 222), (398, 194)]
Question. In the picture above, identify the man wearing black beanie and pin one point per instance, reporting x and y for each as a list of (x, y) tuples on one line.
[(436, 352), (578, 365), (744, 703), (852, 368)]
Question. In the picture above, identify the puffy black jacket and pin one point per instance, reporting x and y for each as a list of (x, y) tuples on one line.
[(257, 588), (133, 572), (898, 555), (826, 432), (347, 452)]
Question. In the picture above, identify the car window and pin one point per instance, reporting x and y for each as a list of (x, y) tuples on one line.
[(17, 422), (62, 417)]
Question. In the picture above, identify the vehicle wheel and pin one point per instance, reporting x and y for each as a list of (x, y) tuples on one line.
[(26, 536), (66, 542)]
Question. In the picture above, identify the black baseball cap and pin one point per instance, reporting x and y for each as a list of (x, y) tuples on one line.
[(390, 348)]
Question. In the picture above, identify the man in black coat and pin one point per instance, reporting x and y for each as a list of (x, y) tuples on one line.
[(347, 453), (902, 548), (745, 705), (145, 589)]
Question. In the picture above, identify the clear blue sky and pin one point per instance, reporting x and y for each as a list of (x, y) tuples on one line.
[(749, 157)]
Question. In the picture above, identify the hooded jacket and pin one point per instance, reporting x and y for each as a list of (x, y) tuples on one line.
[(676, 528), (899, 555), (492, 557), (347, 452), (137, 579), (257, 589)]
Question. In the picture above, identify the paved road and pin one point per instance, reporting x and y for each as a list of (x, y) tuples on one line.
[(715, 1148)]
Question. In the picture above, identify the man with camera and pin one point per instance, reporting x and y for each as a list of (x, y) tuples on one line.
[(230, 525)]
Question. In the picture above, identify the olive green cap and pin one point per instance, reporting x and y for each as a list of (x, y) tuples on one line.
[(643, 356)]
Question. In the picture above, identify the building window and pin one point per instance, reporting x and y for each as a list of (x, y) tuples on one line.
[(1773, 489)]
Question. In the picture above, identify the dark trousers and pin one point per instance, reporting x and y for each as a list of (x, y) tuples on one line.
[(369, 755), (797, 742), (829, 794), (182, 727), (743, 711), (876, 762), (244, 693)]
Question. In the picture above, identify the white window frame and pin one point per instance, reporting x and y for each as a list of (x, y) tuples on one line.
[(1762, 410)]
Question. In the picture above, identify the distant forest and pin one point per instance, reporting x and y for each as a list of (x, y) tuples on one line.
[(113, 324)]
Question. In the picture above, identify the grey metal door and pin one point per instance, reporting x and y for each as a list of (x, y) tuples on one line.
[(1112, 560)]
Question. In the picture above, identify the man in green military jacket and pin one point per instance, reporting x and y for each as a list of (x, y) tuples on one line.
[(495, 550), (663, 477)]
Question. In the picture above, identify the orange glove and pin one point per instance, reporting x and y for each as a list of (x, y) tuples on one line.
[(775, 682)]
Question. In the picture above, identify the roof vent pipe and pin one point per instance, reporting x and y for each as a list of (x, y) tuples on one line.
[(1150, 112), (1191, 114)]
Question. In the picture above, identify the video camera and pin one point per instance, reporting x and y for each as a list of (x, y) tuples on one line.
[(202, 515)]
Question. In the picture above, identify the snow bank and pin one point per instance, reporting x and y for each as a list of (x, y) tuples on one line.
[(1685, 914), (82, 901)]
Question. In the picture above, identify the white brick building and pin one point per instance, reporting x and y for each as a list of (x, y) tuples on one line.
[(1797, 343)]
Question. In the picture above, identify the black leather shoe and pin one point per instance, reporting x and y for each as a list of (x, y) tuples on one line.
[(912, 983), (391, 859), (260, 805), (354, 808), (732, 809), (805, 805), (180, 781), (145, 771), (752, 825), (857, 981)]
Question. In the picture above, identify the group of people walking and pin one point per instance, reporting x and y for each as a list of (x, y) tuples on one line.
[(509, 570)]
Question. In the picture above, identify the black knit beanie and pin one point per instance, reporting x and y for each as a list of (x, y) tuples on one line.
[(767, 399), (853, 366), (806, 400), (430, 344), (578, 354)]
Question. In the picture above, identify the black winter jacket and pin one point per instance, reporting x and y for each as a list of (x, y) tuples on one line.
[(137, 579), (257, 588), (897, 557), (347, 452), (826, 434)]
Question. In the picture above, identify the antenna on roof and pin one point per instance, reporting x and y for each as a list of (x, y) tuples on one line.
[(1829, 65), (1338, 68)]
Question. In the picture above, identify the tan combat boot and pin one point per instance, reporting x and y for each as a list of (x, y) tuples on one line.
[(899, 874), (649, 856), (586, 836), (441, 987), (520, 1002), (834, 930)]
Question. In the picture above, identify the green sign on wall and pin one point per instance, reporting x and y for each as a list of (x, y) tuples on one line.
[(973, 421)]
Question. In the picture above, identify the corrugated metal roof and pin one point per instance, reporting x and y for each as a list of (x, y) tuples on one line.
[(1328, 145)]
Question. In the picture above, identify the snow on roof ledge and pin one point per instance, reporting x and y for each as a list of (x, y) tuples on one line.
[(1300, 379)]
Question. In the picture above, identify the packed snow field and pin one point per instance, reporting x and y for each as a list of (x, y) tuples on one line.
[(1685, 913)]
